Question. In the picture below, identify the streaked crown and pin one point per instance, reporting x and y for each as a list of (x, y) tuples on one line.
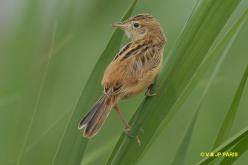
[(141, 26)]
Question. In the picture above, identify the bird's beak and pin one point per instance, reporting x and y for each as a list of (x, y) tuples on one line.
[(120, 25)]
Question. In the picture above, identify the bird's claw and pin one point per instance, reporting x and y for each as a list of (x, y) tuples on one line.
[(127, 133), (149, 93), (126, 130)]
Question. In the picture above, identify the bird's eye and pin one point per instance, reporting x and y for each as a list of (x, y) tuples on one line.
[(136, 25)]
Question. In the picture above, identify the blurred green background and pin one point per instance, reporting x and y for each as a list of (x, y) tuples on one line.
[(47, 51)]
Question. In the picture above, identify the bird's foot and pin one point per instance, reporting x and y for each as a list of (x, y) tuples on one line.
[(127, 129), (127, 133), (149, 93)]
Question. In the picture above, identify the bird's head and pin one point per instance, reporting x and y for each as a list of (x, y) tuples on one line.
[(141, 26)]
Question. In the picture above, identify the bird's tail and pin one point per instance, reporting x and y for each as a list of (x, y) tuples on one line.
[(95, 118)]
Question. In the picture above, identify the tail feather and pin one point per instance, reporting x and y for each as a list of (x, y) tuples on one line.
[(83, 122), (95, 118)]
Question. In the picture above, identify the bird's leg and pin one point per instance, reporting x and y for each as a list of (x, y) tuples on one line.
[(121, 116), (127, 126), (149, 91)]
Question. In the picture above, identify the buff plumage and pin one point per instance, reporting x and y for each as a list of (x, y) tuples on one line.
[(132, 71)]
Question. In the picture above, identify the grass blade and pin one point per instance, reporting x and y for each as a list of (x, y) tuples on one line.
[(243, 134), (190, 50), (241, 147), (72, 144), (215, 55), (218, 54), (230, 116), (182, 149)]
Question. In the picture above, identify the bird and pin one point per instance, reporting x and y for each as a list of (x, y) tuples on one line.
[(132, 71)]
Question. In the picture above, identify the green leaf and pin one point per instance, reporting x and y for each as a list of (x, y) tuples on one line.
[(241, 147), (230, 116), (72, 145), (182, 149), (24, 43), (218, 54), (240, 139), (204, 25), (243, 134)]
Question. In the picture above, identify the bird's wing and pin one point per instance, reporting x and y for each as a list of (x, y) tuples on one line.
[(117, 74), (133, 61), (123, 49), (148, 59)]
